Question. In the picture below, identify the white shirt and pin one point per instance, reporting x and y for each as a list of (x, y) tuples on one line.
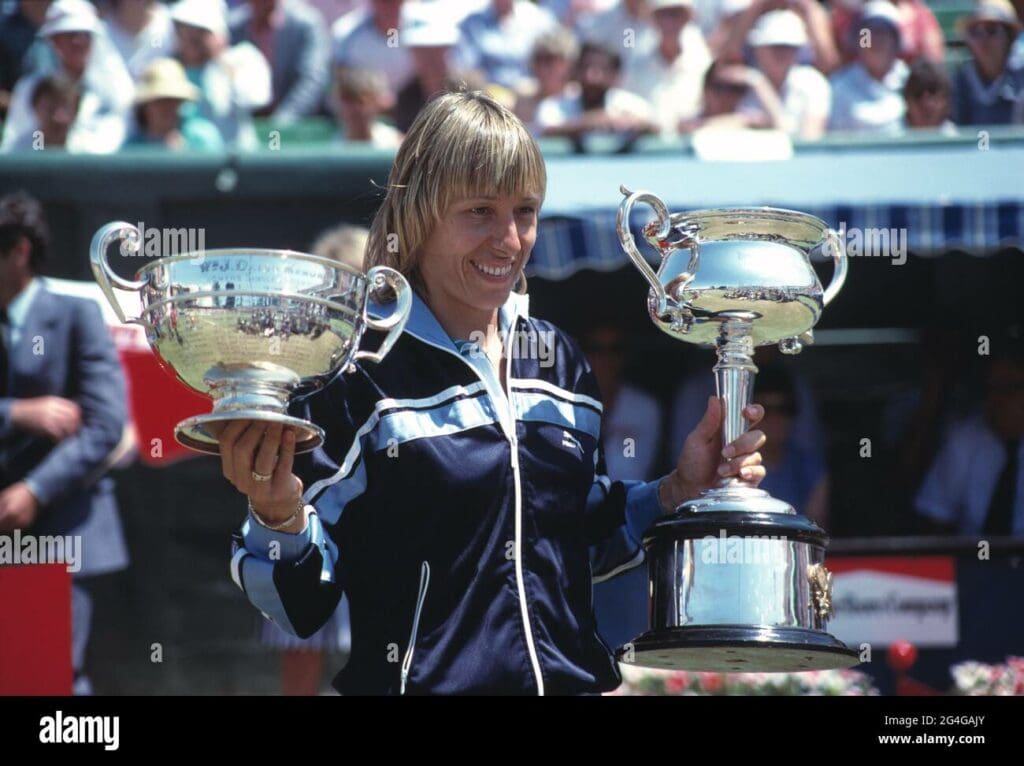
[(805, 92), (104, 110), (358, 43), (860, 102), (156, 40), (233, 85), (382, 136), (672, 89), (558, 110), (960, 483), (17, 311)]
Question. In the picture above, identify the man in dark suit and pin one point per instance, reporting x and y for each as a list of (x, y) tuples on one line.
[(62, 413), (291, 36)]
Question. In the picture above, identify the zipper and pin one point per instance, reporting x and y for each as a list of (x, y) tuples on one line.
[(508, 425), (420, 597), (520, 583)]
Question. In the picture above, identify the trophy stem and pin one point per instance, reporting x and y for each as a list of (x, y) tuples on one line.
[(256, 391), (734, 377)]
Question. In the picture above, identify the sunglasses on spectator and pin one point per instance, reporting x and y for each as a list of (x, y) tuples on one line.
[(986, 30)]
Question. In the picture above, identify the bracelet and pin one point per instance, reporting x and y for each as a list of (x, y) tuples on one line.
[(276, 527)]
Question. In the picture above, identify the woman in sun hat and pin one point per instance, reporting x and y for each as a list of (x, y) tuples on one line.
[(987, 90), (162, 90)]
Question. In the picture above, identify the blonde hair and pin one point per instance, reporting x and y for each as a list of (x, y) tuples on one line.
[(462, 144)]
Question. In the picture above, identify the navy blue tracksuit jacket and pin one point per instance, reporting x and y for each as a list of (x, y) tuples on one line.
[(466, 526)]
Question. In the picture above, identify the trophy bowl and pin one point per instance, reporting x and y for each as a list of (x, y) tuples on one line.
[(737, 578), (251, 327)]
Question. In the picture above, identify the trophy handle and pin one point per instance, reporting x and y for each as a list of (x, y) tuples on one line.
[(393, 325), (839, 266), (128, 235), (629, 244)]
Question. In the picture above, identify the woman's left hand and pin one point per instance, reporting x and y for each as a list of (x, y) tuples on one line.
[(703, 461)]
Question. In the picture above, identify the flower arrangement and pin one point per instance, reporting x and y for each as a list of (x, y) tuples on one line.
[(648, 682), (978, 679)]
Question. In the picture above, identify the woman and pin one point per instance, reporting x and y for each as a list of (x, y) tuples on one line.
[(455, 499), (162, 91)]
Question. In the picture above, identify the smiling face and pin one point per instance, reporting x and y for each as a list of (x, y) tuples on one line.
[(460, 215), (476, 252)]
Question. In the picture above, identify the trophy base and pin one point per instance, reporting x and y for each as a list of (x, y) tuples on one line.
[(195, 434), (737, 590), (738, 649)]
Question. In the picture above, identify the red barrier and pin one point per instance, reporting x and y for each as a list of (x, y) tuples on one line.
[(35, 630)]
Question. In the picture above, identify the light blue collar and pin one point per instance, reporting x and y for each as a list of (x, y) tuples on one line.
[(423, 324)]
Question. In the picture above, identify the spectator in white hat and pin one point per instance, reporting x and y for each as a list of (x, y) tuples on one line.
[(162, 90), (868, 94), (233, 82), (987, 90), (669, 76), (496, 41), (142, 32), (920, 33), (429, 35), (819, 50), (806, 97), (369, 36), (72, 29), (291, 36)]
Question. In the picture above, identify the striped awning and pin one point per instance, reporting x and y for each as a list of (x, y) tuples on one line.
[(939, 199)]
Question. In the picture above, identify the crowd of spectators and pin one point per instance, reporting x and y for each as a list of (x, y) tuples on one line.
[(99, 75)]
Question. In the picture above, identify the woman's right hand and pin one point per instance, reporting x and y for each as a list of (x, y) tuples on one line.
[(248, 446)]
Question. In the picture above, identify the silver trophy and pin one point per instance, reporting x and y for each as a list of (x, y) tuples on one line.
[(737, 577), (250, 327)]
